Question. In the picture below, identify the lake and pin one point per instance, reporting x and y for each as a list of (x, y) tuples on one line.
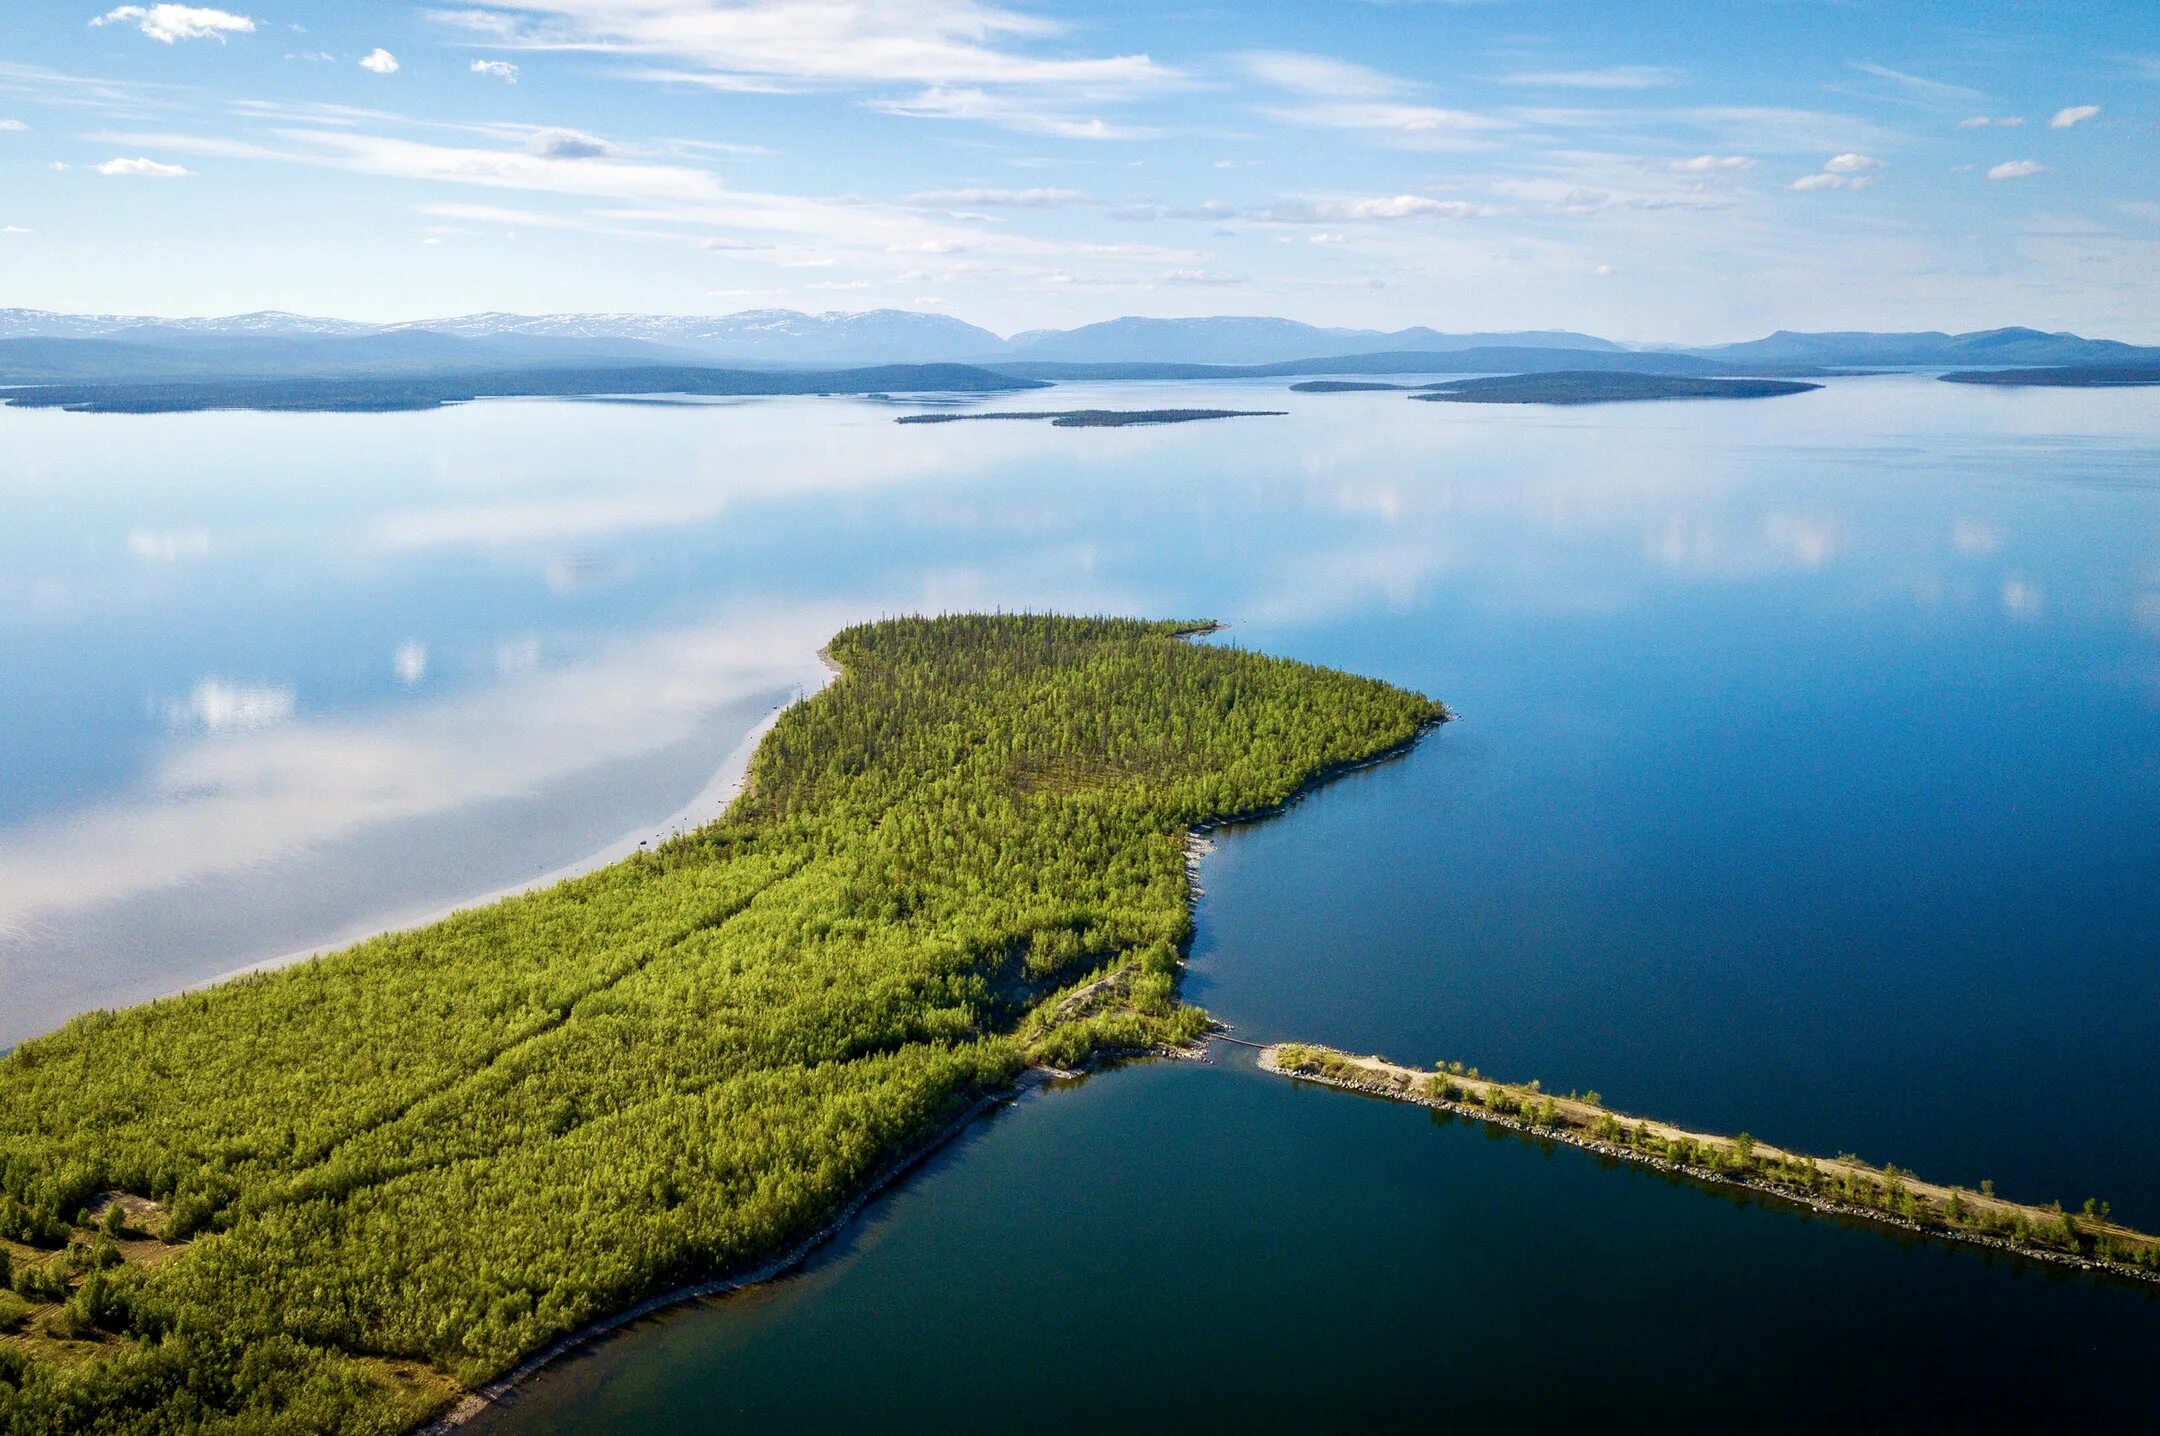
[(1807, 782)]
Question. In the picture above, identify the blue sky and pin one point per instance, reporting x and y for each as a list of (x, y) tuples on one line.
[(1650, 172)]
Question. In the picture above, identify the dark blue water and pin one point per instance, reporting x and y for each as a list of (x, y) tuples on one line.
[(1808, 782)]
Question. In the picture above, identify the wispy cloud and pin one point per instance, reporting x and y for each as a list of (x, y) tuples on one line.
[(1426, 127), (1917, 84), (2015, 169), (1610, 77), (1371, 209), (2065, 118), (1306, 74), (1044, 198), (169, 24), (501, 70), (142, 168), (970, 60), (1981, 122), (1710, 164)]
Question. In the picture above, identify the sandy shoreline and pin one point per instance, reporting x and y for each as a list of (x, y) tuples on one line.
[(723, 787)]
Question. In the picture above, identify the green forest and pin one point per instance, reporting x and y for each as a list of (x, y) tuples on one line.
[(331, 1197)]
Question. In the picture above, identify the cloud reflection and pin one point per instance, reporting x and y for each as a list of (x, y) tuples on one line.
[(222, 707), (255, 795)]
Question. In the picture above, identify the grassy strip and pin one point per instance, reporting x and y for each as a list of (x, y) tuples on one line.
[(1843, 1183), (365, 1182)]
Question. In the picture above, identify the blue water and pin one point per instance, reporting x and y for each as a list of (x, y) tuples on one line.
[(1808, 781)]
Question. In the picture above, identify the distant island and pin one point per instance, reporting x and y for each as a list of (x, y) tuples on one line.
[(1344, 386), (1589, 387), (1098, 418), (342, 1195), (2067, 376), (361, 393)]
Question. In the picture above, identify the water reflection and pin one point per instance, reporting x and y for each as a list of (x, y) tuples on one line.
[(278, 677)]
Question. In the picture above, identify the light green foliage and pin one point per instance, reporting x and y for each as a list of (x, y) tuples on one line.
[(455, 1144)]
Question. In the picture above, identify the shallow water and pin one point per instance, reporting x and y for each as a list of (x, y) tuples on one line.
[(1808, 781)]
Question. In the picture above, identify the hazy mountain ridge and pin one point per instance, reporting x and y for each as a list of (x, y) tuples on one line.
[(37, 343)]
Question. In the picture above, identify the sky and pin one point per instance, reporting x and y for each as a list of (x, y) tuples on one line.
[(1649, 172)]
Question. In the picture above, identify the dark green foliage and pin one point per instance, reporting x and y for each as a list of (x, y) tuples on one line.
[(456, 1144), (1585, 387), (1099, 418)]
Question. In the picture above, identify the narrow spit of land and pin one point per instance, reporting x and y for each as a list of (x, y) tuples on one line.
[(1097, 418), (1844, 1185), (342, 1196)]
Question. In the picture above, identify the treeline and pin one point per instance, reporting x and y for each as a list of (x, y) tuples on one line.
[(2089, 1232), (415, 1161)]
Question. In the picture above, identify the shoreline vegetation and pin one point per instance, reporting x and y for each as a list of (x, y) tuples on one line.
[(2088, 1239), (1098, 418), (347, 1194)]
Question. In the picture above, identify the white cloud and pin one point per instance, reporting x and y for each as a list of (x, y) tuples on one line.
[(409, 662), (1981, 122), (1013, 112), (2064, 119), (167, 545), (1201, 277), (13, 229), (379, 61), (1846, 171), (1375, 208), (11, 126), (497, 70), (171, 23), (1611, 77), (222, 707), (958, 51), (1319, 75), (988, 198), (147, 168), (1710, 165), (2015, 169), (568, 145)]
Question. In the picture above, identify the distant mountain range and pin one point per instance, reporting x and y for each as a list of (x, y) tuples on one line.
[(37, 346)]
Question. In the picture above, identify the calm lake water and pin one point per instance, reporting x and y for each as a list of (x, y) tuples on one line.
[(1808, 782)]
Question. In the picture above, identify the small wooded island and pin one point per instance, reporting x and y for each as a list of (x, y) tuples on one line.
[(1097, 418), (338, 1196), (1603, 387)]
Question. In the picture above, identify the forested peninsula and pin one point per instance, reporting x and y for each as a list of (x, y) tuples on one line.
[(339, 1196)]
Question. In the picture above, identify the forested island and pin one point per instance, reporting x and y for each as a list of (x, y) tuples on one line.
[(341, 1195), (2061, 376), (1098, 418), (1844, 1185), (396, 392), (1595, 387), (1346, 386)]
